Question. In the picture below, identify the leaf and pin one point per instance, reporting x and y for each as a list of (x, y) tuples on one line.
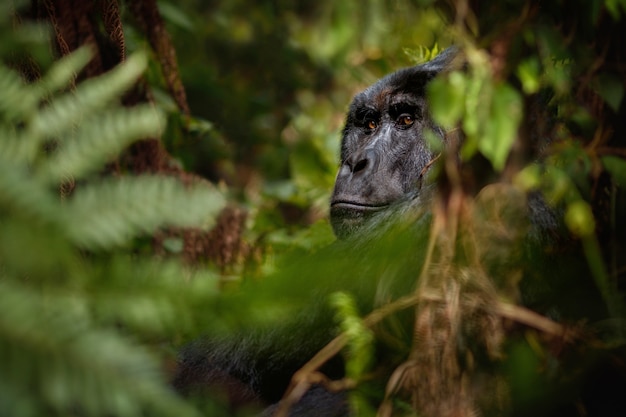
[(67, 111), (617, 167), (611, 89), (64, 71), (69, 361), (99, 139), (23, 195), (175, 15), (528, 74), (110, 213), (16, 100), (447, 99), (501, 129), (616, 8), (14, 147), (360, 338), (579, 218)]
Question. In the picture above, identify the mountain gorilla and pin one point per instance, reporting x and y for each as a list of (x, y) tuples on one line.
[(384, 154), (384, 157)]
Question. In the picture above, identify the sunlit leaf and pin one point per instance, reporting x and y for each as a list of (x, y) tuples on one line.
[(501, 129), (447, 99), (528, 73), (360, 338), (579, 218)]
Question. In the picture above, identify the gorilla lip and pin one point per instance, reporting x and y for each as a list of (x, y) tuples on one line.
[(352, 205)]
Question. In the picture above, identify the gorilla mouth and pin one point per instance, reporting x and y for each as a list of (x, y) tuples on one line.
[(346, 207), (353, 205), (348, 216)]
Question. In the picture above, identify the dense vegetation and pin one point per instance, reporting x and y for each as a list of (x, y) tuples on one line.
[(116, 248)]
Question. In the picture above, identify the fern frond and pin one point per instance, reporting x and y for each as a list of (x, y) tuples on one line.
[(22, 194), (17, 103), (94, 371), (16, 100), (65, 318), (147, 297), (64, 71), (110, 213), (14, 147), (99, 139), (68, 110)]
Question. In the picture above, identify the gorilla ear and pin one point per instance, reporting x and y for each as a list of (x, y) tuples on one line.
[(441, 62)]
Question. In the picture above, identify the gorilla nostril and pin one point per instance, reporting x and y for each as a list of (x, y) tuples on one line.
[(360, 166)]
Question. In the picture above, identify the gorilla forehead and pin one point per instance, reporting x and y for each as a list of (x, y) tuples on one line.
[(407, 83), (412, 80)]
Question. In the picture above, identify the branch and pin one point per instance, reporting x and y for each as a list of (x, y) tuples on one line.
[(309, 375)]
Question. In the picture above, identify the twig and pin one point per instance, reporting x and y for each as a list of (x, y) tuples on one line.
[(308, 375), (529, 318)]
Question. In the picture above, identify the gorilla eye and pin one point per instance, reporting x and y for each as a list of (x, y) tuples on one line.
[(406, 120), (372, 124)]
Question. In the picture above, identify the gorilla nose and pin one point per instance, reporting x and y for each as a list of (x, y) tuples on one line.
[(363, 162)]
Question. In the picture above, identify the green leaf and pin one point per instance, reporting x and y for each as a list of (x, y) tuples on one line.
[(175, 15), (529, 178), (99, 139), (23, 195), (14, 147), (64, 71), (17, 100), (617, 167), (69, 361), (360, 338), (528, 74), (447, 99), (579, 218), (69, 110), (611, 89), (110, 213), (501, 129), (616, 8)]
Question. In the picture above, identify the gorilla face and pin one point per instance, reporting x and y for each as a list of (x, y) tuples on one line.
[(383, 151)]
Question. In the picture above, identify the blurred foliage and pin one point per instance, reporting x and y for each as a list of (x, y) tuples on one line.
[(537, 102), (87, 320), (267, 79), (76, 309)]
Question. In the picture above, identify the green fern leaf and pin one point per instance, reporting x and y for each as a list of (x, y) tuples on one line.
[(65, 319), (148, 298), (14, 147), (94, 371), (110, 213), (69, 110), (99, 139), (17, 100), (23, 195), (64, 71)]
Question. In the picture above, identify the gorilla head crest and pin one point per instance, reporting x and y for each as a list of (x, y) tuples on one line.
[(383, 151)]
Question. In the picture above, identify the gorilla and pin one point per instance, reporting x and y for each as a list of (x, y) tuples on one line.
[(384, 157)]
